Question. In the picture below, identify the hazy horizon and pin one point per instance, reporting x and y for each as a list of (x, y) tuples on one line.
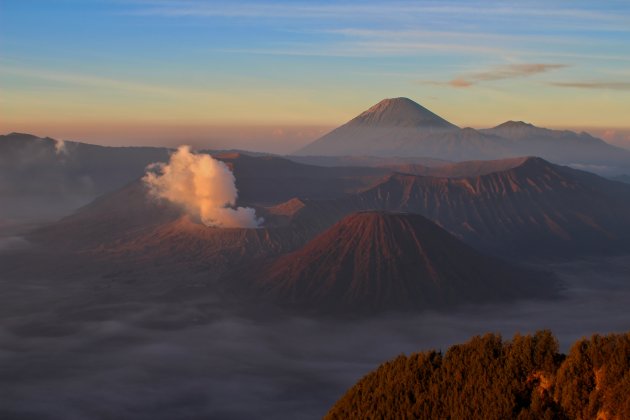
[(274, 75), (278, 139)]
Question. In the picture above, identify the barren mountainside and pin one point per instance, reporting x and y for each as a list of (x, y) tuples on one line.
[(562, 146), (535, 209), (132, 226), (270, 179), (461, 169), (401, 127), (374, 261)]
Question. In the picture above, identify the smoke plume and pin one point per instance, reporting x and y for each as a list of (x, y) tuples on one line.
[(204, 186), (60, 147)]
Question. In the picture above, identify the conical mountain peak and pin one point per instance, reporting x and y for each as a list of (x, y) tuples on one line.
[(374, 260), (400, 112)]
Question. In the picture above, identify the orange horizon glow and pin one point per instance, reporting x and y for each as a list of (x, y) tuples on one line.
[(272, 137), (235, 73)]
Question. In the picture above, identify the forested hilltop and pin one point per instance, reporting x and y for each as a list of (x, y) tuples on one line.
[(488, 378)]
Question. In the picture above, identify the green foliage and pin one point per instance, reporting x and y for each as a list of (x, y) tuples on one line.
[(488, 378)]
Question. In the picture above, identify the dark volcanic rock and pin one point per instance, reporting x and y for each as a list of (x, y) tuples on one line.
[(374, 261), (532, 210)]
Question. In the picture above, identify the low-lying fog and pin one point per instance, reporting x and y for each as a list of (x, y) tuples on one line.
[(76, 350)]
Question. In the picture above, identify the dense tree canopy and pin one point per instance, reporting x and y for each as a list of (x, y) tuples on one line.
[(488, 378)]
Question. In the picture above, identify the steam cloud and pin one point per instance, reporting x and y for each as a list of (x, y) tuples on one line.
[(204, 186), (60, 147)]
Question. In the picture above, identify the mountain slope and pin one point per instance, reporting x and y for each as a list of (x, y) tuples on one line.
[(460, 169), (50, 178), (366, 161), (562, 146), (401, 127), (373, 261), (268, 180), (131, 230), (399, 112), (536, 207), (42, 178), (533, 210), (38, 164)]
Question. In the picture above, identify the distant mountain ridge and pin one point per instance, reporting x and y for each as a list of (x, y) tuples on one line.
[(401, 127), (533, 209), (517, 206), (562, 146), (461, 169), (46, 178)]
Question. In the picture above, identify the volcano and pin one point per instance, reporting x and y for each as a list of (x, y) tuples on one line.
[(517, 208), (563, 146), (132, 226), (374, 261), (535, 208), (527, 208), (400, 112), (401, 127)]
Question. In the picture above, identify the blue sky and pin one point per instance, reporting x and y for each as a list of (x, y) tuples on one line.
[(85, 67)]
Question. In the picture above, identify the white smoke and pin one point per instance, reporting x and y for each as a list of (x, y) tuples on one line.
[(60, 147), (203, 186)]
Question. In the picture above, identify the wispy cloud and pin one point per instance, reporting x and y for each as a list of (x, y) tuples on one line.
[(370, 49), (411, 35), (262, 9), (399, 28), (399, 10), (593, 85), (512, 71), (405, 48), (79, 79)]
